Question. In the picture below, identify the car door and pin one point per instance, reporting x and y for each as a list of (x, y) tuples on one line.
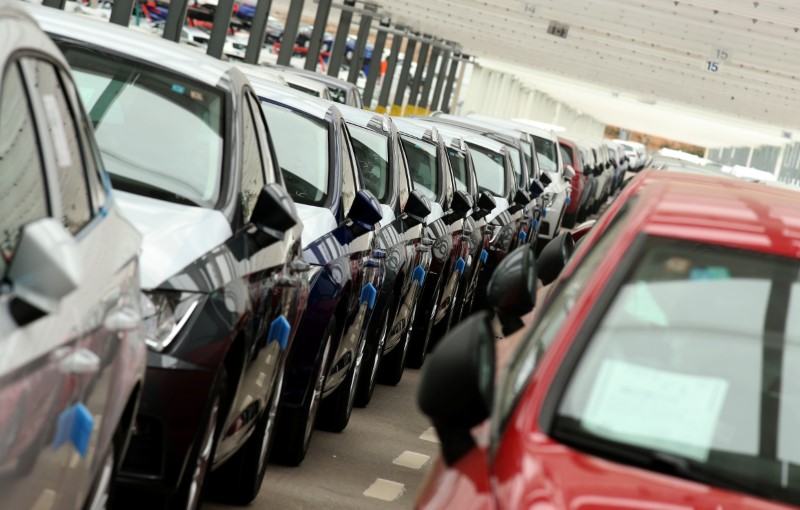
[(105, 306)]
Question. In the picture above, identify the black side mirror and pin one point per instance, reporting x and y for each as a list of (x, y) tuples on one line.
[(512, 289), (522, 197), (554, 257), (537, 188), (587, 170), (273, 215), (486, 202), (457, 386), (365, 211), (462, 203), (545, 179), (598, 171), (418, 206)]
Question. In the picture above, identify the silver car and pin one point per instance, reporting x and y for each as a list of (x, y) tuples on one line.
[(72, 356)]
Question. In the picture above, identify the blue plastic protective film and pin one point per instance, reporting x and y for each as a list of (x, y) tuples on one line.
[(368, 295), (279, 331), (75, 424)]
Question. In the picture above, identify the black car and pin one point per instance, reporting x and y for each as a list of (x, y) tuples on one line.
[(342, 225), (187, 149), (431, 174), (384, 170)]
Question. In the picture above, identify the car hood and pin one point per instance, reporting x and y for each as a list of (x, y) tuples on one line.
[(174, 235), (317, 221)]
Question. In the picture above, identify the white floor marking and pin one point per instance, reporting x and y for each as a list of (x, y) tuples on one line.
[(430, 435), (45, 500), (411, 460), (385, 490)]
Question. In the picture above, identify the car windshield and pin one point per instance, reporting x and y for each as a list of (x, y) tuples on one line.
[(179, 158), (372, 155), (421, 158), (458, 162), (546, 150), (301, 144), (679, 380), (489, 170)]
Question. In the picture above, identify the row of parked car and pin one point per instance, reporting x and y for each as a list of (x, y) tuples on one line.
[(202, 262)]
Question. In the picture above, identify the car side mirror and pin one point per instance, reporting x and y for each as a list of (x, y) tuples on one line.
[(486, 202), (545, 179), (273, 215), (569, 172), (587, 170), (45, 268), (512, 288), (598, 171), (536, 189), (522, 197), (457, 385), (418, 206), (365, 211), (462, 203), (554, 257)]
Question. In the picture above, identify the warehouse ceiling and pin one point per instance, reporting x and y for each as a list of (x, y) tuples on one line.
[(735, 57)]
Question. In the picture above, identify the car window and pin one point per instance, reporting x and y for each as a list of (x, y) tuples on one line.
[(458, 162), (66, 142), (263, 137), (516, 163), (565, 155), (673, 369), (489, 170), (404, 184), (352, 183), (372, 155), (23, 193), (528, 150), (546, 150), (338, 95), (252, 162), (301, 144), (557, 310), (179, 158), (421, 158)]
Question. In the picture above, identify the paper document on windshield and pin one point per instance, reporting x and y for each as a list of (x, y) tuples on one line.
[(652, 408)]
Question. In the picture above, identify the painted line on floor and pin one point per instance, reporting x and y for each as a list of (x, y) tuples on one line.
[(430, 435), (385, 490), (411, 460)]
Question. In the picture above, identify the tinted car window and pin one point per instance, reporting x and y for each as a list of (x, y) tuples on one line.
[(458, 162), (372, 155), (252, 163), (516, 164), (565, 155), (421, 158), (23, 195), (66, 143), (672, 369), (546, 151), (301, 144), (177, 157), (489, 170)]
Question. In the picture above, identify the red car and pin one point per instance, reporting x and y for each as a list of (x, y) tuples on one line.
[(571, 156), (662, 372)]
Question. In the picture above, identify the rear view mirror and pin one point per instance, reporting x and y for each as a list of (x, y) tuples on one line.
[(587, 170), (365, 211), (512, 289), (462, 203), (486, 202), (418, 206), (522, 197), (45, 268), (569, 172), (273, 215), (545, 179), (554, 257), (536, 189), (457, 386)]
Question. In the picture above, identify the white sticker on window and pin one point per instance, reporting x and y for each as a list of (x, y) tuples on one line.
[(56, 127), (653, 408)]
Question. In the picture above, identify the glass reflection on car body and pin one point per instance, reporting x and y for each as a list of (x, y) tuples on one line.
[(301, 144), (674, 372), (144, 156), (422, 164), (489, 170), (372, 153)]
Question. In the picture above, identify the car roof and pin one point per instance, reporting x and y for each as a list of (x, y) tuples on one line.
[(465, 134), (328, 80), (363, 118), (408, 127), (261, 73), (308, 104), (28, 37), (480, 123), (717, 210), (121, 40)]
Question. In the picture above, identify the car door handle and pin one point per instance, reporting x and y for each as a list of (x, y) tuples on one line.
[(123, 319), (80, 361)]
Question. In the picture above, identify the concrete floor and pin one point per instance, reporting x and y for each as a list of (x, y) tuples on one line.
[(381, 444)]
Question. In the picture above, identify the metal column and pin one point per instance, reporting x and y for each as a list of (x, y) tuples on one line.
[(422, 104), (318, 34), (258, 31), (422, 59), (441, 77), (361, 44), (222, 21), (120, 12), (290, 32), (176, 17), (402, 83), (375, 63), (340, 42), (388, 78), (459, 83), (451, 79)]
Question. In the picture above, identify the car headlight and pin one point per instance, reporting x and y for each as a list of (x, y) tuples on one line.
[(164, 314)]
